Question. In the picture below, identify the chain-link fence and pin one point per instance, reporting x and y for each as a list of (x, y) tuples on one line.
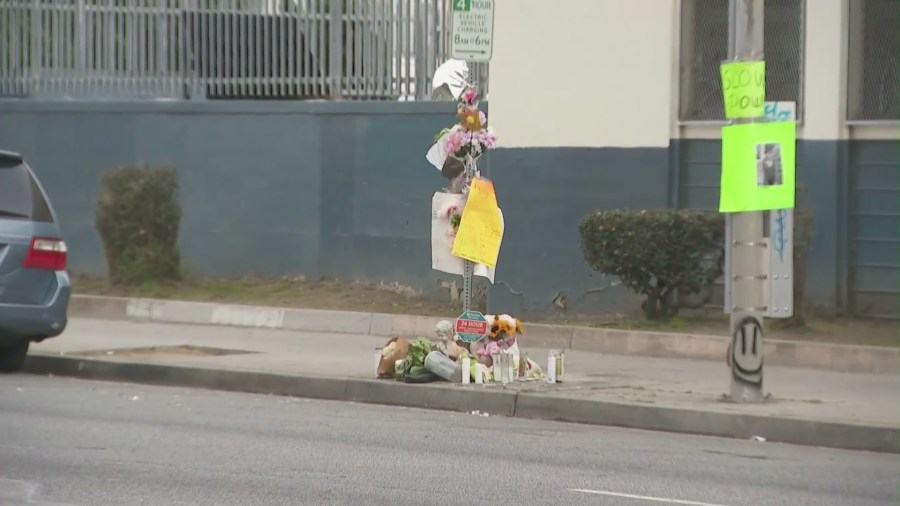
[(704, 45), (873, 92), (225, 49)]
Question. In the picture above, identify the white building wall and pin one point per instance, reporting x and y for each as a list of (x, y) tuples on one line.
[(825, 83), (592, 73), (604, 73)]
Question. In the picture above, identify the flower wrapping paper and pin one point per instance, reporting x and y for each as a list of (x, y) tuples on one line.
[(442, 259)]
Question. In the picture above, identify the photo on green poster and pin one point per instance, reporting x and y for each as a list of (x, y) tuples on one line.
[(758, 167)]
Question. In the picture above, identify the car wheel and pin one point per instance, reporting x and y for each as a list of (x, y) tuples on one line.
[(12, 357)]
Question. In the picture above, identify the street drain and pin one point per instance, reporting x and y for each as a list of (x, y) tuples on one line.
[(184, 350)]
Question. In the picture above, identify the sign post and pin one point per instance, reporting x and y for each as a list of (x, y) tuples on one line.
[(468, 265), (472, 30), (471, 39), (781, 236)]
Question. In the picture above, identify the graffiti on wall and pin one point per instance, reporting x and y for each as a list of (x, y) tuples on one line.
[(779, 237), (781, 111)]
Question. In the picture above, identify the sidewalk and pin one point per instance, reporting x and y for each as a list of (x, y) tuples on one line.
[(847, 410), (829, 357)]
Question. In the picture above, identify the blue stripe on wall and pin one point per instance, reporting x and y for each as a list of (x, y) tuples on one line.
[(544, 193), (343, 190), (818, 163), (874, 228)]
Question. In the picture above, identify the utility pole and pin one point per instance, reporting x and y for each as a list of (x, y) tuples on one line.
[(747, 270)]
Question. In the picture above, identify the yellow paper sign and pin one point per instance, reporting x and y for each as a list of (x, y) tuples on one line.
[(480, 229), (744, 89)]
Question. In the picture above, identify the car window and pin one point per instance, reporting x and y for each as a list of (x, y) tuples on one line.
[(20, 196)]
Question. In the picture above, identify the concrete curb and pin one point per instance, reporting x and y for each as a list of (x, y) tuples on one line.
[(833, 357), (496, 402)]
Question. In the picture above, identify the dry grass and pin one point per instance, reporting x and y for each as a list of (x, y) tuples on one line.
[(285, 292), (398, 299)]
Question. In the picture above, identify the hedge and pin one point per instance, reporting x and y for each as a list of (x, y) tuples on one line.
[(668, 256)]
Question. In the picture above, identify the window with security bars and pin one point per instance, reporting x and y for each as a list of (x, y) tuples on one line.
[(874, 61), (704, 46)]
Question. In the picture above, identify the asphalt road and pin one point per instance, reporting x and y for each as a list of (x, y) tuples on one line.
[(72, 442)]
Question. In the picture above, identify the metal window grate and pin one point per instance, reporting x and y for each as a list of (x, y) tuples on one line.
[(227, 49), (874, 61), (704, 45)]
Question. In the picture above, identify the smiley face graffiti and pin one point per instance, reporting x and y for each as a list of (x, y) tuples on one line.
[(746, 352)]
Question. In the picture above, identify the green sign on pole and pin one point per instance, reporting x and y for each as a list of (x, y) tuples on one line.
[(472, 30), (758, 166), (471, 327), (462, 5)]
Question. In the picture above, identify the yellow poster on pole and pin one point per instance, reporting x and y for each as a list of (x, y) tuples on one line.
[(480, 228)]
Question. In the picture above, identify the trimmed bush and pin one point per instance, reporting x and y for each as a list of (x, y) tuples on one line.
[(137, 217), (665, 255)]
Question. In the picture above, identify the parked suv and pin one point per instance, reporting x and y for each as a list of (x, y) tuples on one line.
[(34, 284)]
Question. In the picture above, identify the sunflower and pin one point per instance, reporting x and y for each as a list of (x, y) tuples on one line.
[(497, 327), (470, 119)]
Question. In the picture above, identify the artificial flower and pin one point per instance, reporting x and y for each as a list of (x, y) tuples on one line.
[(508, 320), (454, 141), (470, 137), (504, 328), (491, 348), (455, 220), (470, 119), (488, 138), (499, 330)]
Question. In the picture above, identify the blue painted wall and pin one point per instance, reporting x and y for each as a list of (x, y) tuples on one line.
[(854, 191), (872, 243), (320, 189), (544, 193), (343, 190)]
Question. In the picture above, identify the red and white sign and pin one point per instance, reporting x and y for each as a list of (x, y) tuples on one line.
[(471, 327)]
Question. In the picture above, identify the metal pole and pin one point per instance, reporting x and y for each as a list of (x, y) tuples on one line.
[(468, 272), (468, 265), (336, 48), (747, 269)]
